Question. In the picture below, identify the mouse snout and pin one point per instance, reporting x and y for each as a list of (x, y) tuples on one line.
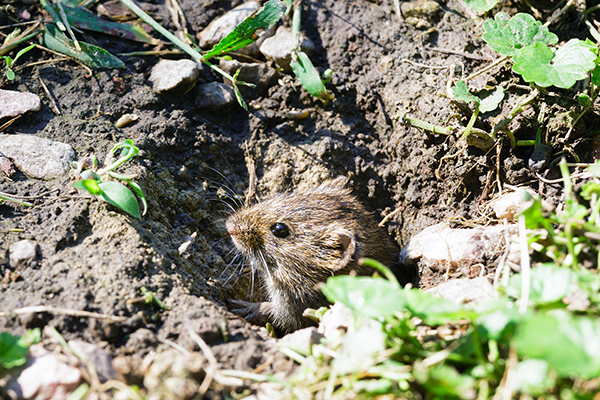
[(232, 227)]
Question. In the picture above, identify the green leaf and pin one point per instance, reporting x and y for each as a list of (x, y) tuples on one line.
[(91, 185), (443, 381), (23, 51), (569, 344), (532, 377), (371, 297), (496, 318), (128, 151), (249, 30), (596, 75), (121, 197), (309, 77), (236, 90), (359, 348), (461, 92), (13, 350), (492, 102), (589, 189), (85, 19), (10, 74), (92, 56), (480, 6), (80, 392), (594, 169), (138, 190), (509, 35), (570, 63), (549, 284), (585, 100), (434, 310)]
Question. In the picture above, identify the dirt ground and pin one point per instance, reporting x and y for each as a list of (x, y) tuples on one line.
[(95, 258)]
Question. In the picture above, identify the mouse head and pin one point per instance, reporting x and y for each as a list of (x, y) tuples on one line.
[(310, 234)]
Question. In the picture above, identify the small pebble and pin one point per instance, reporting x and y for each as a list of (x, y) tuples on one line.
[(169, 75), (278, 47), (260, 74), (22, 253), (214, 95), (14, 103), (99, 357), (126, 119)]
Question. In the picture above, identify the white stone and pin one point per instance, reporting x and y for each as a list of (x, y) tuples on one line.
[(222, 26), (16, 103), (22, 252), (440, 245), (169, 75), (37, 157)]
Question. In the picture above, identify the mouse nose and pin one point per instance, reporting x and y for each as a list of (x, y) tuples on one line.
[(232, 227)]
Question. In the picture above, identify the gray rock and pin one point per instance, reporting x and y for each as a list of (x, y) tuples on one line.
[(222, 26), (170, 75), (260, 74), (37, 157), (16, 103), (22, 253), (278, 47), (99, 358), (463, 291), (541, 157), (214, 95)]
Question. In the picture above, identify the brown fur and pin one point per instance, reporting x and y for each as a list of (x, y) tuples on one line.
[(329, 231)]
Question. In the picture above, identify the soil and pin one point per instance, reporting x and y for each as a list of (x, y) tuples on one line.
[(193, 163)]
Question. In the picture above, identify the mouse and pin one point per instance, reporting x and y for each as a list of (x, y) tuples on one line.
[(295, 241)]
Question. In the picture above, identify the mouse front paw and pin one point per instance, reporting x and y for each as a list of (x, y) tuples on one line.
[(256, 313)]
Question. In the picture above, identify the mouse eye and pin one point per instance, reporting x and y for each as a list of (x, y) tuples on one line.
[(280, 230)]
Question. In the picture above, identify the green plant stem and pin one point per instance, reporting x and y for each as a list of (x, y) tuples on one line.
[(6, 197), (9, 47), (570, 202), (63, 17), (381, 268), (518, 108), (523, 143), (178, 42), (425, 125), (296, 23), (470, 124)]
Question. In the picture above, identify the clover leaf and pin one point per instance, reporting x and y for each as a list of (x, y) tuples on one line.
[(570, 63), (509, 35), (490, 103)]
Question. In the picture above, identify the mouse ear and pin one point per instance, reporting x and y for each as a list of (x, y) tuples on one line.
[(348, 246)]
